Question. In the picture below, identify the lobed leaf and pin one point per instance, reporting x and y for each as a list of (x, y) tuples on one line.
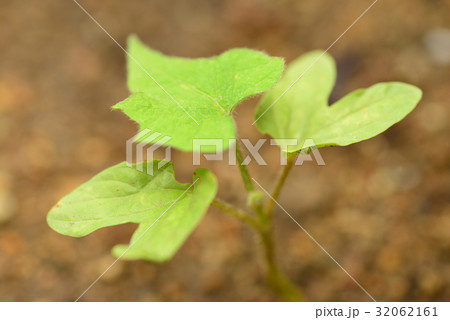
[(298, 108), (166, 210), (193, 98)]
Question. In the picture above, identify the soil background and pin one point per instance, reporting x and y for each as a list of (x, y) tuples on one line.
[(380, 207)]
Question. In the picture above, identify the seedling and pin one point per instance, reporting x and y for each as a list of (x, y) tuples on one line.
[(188, 99)]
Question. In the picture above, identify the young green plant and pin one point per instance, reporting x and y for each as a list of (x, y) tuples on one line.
[(188, 99)]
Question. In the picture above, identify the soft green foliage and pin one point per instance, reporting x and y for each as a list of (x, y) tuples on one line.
[(195, 97), (166, 210), (303, 112)]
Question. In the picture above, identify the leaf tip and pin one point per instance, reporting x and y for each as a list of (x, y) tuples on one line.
[(133, 39)]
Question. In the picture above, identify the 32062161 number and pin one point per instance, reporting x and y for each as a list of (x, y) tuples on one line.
[(406, 311)]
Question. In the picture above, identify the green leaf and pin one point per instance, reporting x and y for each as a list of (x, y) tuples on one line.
[(300, 110), (193, 98), (166, 210)]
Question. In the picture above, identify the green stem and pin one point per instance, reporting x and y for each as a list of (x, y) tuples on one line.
[(239, 214), (277, 280), (248, 183), (275, 194)]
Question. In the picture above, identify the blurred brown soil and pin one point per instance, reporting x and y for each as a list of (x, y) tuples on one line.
[(380, 207)]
